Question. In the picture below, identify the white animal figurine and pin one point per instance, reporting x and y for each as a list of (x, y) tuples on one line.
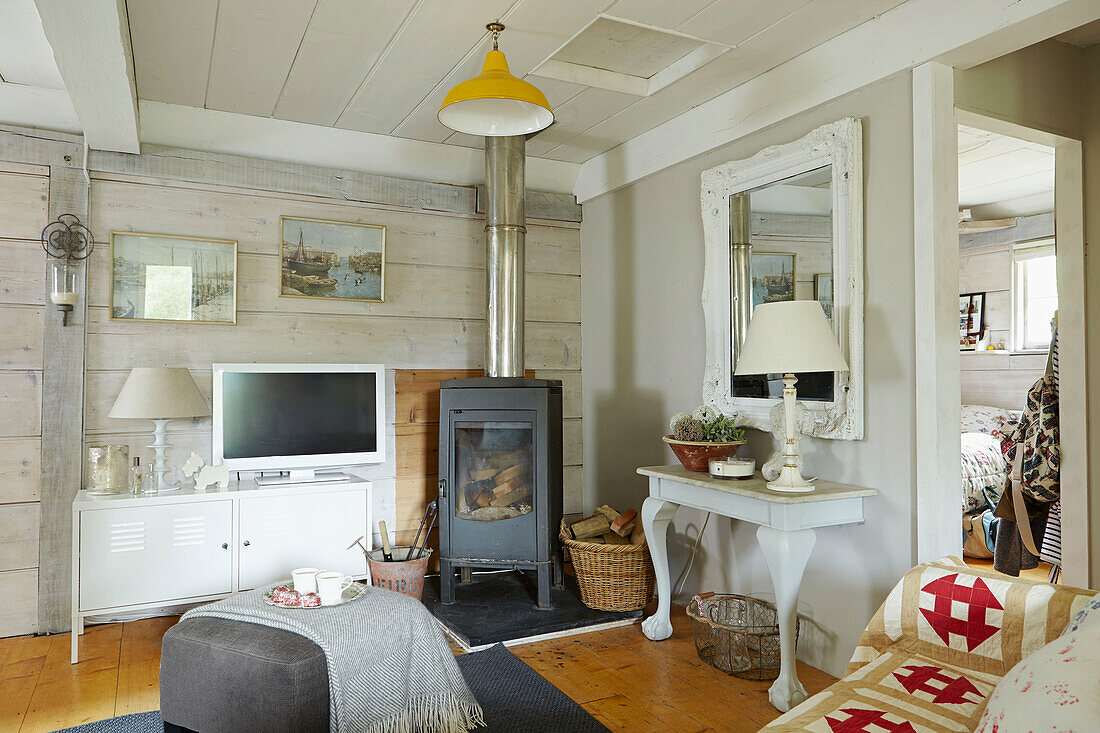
[(204, 474)]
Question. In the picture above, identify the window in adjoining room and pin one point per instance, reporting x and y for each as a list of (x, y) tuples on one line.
[(1035, 294)]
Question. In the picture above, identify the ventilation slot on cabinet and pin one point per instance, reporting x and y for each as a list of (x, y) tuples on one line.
[(189, 531), (127, 537)]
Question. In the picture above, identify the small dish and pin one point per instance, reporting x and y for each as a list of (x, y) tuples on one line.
[(350, 593)]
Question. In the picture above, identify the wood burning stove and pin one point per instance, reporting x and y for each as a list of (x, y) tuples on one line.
[(500, 485)]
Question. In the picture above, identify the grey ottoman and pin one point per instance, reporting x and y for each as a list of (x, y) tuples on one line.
[(221, 676)]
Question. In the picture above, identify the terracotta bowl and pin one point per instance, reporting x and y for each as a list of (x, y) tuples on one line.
[(696, 456)]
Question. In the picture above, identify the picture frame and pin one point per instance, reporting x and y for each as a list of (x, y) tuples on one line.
[(823, 292), (337, 260), (172, 278), (774, 276), (971, 320)]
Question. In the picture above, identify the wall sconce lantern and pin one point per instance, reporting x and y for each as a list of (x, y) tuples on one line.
[(66, 242)]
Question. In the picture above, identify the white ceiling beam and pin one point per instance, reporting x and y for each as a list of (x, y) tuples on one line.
[(91, 44), (295, 142), (913, 33)]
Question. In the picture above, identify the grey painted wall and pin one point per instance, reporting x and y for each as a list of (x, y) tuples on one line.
[(643, 346)]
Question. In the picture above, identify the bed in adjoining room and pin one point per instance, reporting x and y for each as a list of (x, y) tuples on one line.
[(983, 464)]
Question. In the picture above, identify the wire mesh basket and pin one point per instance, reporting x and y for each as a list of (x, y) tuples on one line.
[(737, 634)]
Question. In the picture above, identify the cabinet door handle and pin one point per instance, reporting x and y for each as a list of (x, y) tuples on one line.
[(225, 545), (247, 543)]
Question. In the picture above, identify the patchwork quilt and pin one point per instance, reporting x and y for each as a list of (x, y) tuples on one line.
[(935, 650)]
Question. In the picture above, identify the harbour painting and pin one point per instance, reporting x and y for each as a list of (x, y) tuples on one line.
[(162, 277), (332, 259), (773, 277)]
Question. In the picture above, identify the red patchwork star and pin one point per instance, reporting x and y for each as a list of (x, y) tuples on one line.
[(952, 692), (861, 720), (977, 598)]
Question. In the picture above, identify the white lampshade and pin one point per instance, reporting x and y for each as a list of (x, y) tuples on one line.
[(787, 337), (158, 393)]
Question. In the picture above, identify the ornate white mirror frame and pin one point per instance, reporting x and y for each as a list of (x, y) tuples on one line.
[(840, 145)]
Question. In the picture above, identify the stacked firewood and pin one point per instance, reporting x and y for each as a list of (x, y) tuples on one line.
[(610, 527)]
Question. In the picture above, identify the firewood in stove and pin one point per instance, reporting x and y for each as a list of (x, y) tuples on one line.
[(512, 497), (637, 537), (482, 474), (610, 538), (484, 499), (505, 488), (511, 473), (624, 525), (608, 512), (594, 526), (500, 461)]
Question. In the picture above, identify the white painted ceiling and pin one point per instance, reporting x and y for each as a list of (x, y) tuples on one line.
[(383, 66), (25, 55), (1004, 176)]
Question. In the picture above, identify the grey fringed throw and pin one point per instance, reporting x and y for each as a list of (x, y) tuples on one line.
[(390, 669)]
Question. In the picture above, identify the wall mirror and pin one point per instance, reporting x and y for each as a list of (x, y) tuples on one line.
[(787, 224)]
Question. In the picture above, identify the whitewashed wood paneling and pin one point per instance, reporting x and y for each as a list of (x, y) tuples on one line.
[(22, 272), (19, 613), (21, 345), (172, 43), (23, 202), (18, 536), (252, 218), (21, 396), (20, 466), (984, 271)]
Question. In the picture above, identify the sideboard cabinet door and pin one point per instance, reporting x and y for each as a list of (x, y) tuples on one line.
[(280, 533), (136, 555)]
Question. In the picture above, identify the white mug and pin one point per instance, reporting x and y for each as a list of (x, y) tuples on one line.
[(330, 586), (305, 580)]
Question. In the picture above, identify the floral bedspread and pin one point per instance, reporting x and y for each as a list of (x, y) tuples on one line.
[(983, 466)]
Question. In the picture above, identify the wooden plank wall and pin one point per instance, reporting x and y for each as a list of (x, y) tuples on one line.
[(995, 378), (24, 202), (433, 317)]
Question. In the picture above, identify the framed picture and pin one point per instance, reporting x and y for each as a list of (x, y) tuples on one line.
[(971, 320), (332, 259), (164, 277), (823, 292), (773, 277)]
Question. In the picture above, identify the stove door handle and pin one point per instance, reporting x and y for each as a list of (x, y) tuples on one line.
[(442, 488)]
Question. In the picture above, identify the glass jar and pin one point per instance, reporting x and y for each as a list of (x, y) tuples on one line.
[(108, 469)]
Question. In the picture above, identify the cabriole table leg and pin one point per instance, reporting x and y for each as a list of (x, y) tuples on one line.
[(656, 514), (786, 553)]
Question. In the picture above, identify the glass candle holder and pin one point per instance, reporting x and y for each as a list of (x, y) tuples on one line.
[(108, 469)]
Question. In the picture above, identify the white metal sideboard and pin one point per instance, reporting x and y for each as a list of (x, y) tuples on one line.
[(786, 536), (137, 552)]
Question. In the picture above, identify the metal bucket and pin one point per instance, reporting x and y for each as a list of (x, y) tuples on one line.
[(401, 575)]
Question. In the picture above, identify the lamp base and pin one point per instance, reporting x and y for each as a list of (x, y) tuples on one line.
[(790, 476), (790, 480)]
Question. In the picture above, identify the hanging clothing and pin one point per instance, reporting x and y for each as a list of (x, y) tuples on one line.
[(1033, 484)]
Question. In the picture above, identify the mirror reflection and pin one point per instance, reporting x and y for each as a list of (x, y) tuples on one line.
[(781, 248)]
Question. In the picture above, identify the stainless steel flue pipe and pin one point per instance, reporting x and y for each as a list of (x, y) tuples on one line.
[(505, 233), (740, 273)]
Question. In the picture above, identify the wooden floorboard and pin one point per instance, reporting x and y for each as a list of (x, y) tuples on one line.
[(624, 680)]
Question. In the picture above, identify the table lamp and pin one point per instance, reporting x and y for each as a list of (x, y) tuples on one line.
[(783, 338), (159, 394)]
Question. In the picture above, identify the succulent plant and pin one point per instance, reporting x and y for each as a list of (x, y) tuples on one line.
[(687, 428)]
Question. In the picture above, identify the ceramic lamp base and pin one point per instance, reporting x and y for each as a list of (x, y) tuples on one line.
[(790, 480)]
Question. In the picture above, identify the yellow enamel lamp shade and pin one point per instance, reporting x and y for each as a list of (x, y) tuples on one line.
[(495, 103)]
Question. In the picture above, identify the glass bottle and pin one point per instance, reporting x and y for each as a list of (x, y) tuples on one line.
[(137, 476)]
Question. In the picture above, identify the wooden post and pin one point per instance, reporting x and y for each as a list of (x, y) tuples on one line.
[(62, 419)]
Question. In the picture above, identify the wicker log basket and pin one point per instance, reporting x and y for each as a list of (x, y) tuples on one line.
[(611, 577)]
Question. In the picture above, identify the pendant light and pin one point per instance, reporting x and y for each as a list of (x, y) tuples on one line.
[(494, 102)]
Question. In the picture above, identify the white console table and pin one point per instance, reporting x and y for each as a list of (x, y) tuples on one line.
[(138, 552), (786, 536)]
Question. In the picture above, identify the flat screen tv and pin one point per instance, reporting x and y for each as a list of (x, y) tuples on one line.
[(298, 417)]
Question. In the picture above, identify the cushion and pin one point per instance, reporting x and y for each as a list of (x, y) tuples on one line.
[(1054, 689)]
